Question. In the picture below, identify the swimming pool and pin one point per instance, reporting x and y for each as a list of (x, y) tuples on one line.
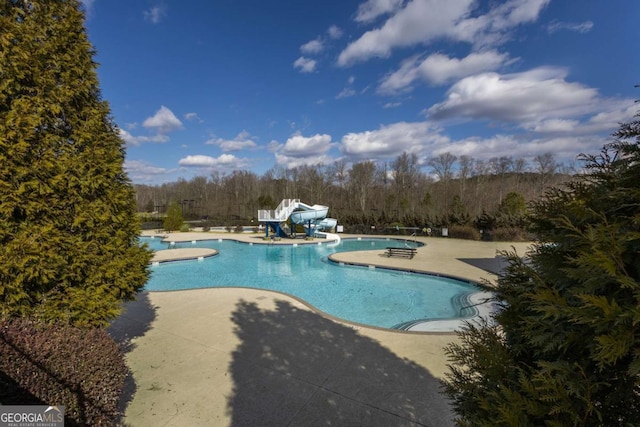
[(376, 297)]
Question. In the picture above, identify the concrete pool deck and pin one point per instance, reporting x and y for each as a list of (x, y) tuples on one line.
[(238, 356)]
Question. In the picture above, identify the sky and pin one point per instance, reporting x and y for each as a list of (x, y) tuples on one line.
[(211, 86)]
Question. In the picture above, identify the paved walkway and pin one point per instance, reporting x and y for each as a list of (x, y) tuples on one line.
[(237, 357)]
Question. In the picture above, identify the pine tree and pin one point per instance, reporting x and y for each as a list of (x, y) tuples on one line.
[(173, 221), (565, 347), (69, 247)]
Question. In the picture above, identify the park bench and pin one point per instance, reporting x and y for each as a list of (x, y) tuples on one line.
[(401, 252)]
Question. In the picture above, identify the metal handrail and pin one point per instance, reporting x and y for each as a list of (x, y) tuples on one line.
[(407, 239)]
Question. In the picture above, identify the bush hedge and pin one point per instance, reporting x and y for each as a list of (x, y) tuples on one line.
[(464, 232), (81, 369)]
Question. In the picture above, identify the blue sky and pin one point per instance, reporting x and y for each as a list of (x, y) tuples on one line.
[(204, 86)]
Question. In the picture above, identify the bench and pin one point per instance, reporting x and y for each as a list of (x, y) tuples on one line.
[(401, 252)]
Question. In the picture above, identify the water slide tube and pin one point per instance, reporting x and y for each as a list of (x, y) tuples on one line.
[(309, 213)]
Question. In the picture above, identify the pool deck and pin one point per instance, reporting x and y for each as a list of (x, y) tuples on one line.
[(239, 356)]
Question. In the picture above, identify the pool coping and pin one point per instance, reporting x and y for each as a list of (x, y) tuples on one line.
[(182, 254)]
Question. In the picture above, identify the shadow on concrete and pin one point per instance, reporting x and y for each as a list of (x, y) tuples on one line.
[(295, 367), (492, 265), (134, 322)]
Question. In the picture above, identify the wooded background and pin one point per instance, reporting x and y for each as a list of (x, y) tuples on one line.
[(447, 190)]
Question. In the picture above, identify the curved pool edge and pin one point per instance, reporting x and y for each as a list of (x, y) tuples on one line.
[(478, 301), (353, 325), (335, 258)]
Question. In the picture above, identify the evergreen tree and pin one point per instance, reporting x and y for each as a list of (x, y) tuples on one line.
[(513, 204), (173, 221), (564, 350), (69, 247)]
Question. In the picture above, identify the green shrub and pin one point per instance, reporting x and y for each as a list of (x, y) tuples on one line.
[(238, 229), (174, 220), (228, 228), (466, 232), (206, 228), (184, 228), (82, 369)]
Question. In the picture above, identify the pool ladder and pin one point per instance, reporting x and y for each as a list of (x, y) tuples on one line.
[(407, 240)]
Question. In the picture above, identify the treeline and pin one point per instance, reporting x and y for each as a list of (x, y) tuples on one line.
[(448, 191)]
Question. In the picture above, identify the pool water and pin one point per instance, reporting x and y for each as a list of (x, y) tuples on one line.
[(371, 296)]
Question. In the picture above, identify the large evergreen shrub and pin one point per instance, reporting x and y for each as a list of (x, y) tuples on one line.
[(565, 348), (174, 220), (69, 248)]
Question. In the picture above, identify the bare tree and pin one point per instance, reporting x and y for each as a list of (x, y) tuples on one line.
[(405, 178), (443, 168), (361, 178), (545, 166), (338, 174), (465, 170), (501, 166), (443, 165)]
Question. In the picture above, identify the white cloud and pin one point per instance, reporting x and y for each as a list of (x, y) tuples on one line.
[(425, 21), (493, 28), (242, 141), (613, 113), (138, 140), (439, 69), (155, 14), (141, 171), (579, 27), (555, 125), (420, 21), (334, 32), (306, 65), (302, 146), (401, 79), (525, 98), (346, 93), (300, 150), (607, 115), (291, 162), (426, 140), (193, 117), (164, 121), (372, 9), (224, 161), (312, 47), (392, 140), (515, 12), (564, 148)]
